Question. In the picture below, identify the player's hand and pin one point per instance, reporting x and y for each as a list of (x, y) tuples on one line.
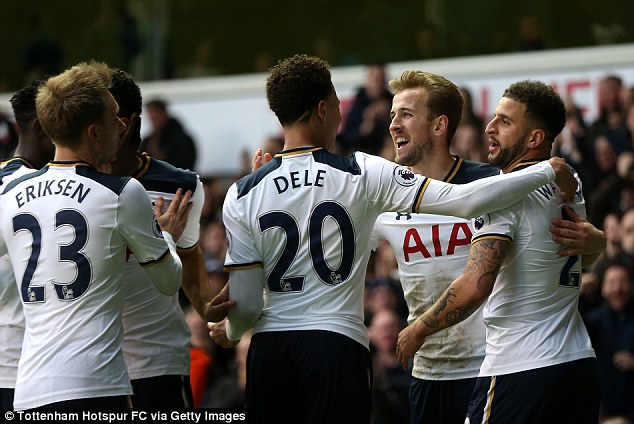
[(578, 235), (565, 179), (409, 341), (174, 220), (218, 332), (130, 130), (217, 309), (260, 159)]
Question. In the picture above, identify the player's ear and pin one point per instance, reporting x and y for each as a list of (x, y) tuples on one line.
[(92, 132), (321, 110), (441, 124), (537, 137)]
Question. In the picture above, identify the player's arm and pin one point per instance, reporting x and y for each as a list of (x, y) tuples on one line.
[(245, 287), (140, 229), (195, 282), (246, 276), (461, 299), (493, 193), (579, 236)]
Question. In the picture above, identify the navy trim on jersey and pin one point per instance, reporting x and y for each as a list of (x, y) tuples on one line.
[(320, 155), (491, 236), (112, 182), (418, 199), (249, 265), (342, 163), (13, 165), (13, 183), (187, 249), (160, 176), (466, 171), (523, 165), (246, 183), (154, 261)]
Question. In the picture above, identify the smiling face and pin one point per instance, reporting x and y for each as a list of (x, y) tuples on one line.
[(507, 133), (411, 127)]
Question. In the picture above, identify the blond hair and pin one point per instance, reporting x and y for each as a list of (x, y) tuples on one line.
[(67, 103)]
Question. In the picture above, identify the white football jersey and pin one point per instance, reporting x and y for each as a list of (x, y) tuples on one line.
[(11, 314), (66, 228), (431, 251), (156, 335), (531, 317), (306, 217)]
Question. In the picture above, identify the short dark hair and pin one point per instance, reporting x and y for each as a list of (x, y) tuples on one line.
[(296, 85), (126, 92), (23, 104), (128, 96), (543, 105)]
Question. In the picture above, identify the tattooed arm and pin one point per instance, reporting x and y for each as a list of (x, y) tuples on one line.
[(461, 299)]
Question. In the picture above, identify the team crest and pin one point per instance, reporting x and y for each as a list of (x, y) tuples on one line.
[(404, 176), (156, 228)]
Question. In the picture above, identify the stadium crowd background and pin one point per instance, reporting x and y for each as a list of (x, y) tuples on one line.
[(164, 39), (167, 39)]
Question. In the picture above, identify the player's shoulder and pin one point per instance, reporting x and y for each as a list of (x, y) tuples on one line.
[(160, 176), (14, 168), (466, 171), (113, 183), (346, 164)]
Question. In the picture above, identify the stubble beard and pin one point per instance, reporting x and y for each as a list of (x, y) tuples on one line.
[(418, 153), (506, 156)]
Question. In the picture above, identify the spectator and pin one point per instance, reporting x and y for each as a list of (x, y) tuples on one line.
[(43, 53), (273, 145), (390, 381), (590, 296), (168, 141), (368, 120), (530, 32), (468, 140), (611, 328), (200, 352), (611, 120)]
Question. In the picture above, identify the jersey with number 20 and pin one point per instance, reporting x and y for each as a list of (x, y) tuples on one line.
[(306, 217)]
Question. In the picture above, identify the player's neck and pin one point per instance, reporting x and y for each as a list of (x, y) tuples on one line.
[(127, 163), (34, 155), (295, 140), (65, 154), (435, 166)]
